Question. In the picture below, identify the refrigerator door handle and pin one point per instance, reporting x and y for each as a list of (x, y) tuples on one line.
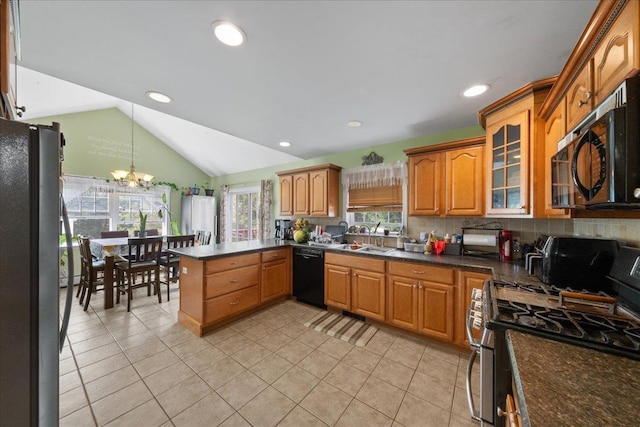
[(69, 298)]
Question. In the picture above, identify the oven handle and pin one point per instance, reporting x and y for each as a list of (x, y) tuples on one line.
[(472, 406), (474, 343)]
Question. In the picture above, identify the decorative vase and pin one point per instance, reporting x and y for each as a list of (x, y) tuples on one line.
[(194, 191)]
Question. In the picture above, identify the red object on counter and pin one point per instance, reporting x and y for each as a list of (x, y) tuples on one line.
[(506, 245)]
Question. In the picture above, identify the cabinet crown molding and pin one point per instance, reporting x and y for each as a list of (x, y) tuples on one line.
[(310, 168)]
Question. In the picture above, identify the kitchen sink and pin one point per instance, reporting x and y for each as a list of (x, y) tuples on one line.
[(375, 249)]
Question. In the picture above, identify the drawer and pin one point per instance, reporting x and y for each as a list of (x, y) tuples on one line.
[(275, 254), (227, 263), (231, 280), (361, 262), (423, 272), (226, 305)]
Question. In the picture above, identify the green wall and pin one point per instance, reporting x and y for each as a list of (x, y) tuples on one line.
[(99, 141), (390, 152)]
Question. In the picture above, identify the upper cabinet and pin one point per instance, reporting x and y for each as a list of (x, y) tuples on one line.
[(447, 179), (514, 166), (313, 191)]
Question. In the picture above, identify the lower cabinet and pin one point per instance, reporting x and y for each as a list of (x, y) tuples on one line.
[(356, 284), (275, 279), (421, 299)]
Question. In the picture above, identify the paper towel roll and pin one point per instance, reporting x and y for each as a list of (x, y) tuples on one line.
[(479, 239)]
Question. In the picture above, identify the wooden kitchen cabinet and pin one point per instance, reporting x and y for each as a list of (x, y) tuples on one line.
[(312, 191), (515, 155), (275, 278), (447, 179), (579, 98), (356, 284), (421, 299), (467, 282), (554, 131)]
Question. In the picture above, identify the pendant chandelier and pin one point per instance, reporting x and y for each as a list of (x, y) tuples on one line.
[(131, 178)]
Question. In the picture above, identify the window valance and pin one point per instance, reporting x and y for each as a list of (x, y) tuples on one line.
[(76, 185), (382, 175)]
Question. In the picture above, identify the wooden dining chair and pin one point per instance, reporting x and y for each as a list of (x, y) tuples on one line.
[(170, 263), (142, 262), (114, 233), (90, 279)]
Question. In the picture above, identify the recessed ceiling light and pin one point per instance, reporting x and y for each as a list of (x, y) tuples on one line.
[(284, 144), (228, 33), (475, 90), (354, 123), (159, 97)]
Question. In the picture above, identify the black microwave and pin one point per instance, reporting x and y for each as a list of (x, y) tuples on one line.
[(600, 167)]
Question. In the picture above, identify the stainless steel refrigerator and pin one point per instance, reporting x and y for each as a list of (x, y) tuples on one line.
[(199, 215), (30, 226)]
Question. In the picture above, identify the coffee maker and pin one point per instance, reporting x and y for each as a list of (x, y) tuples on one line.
[(283, 229)]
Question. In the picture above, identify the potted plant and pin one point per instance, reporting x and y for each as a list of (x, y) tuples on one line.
[(175, 230), (143, 224), (195, 190), (208, 191)]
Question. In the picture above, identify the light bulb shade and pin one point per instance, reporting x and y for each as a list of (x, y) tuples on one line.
[(119, 174)]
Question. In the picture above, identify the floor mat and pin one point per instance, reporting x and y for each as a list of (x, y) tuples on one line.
[(346, 328)]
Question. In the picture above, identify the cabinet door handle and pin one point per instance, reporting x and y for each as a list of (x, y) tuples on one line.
[(580, 104), (417, 272), (235, 302), (233, 281), (414, 286), (437, 210), (421, 287)]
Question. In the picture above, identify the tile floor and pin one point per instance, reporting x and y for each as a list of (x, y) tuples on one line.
[(142, 368)]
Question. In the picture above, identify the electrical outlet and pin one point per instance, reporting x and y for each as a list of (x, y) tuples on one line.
[(184, 270)]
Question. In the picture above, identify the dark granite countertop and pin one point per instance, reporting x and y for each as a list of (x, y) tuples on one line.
[(513, 272), (562, 384)]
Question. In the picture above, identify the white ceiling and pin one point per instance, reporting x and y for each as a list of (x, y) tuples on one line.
[(307, 68)]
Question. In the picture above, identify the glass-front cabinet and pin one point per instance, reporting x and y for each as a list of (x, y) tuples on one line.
[(508, 141)]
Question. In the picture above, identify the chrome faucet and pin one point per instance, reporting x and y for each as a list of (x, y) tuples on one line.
[(368, 228)]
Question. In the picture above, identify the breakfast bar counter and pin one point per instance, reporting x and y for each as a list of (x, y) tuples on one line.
[(561, 384)]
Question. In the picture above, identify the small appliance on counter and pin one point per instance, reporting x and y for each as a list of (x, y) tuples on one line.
[(282, 225), (337, 232)]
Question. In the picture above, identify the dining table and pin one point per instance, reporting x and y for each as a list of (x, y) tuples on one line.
[(109, 250)]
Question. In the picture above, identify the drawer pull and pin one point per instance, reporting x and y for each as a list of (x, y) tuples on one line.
[(417, 272), (235, 302), (233, 281)]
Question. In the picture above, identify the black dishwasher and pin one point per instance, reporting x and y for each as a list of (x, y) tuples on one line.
[(308, 276)]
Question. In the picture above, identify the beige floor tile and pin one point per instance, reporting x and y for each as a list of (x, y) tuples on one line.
[(267, 408), (177, 337), (274, 341), (432, 390), (235, 420), (462, 421), (313, 338), (92, 343), (220, 335), (222, 372), (111, 383), (127, 330), (326, 402), (276, 322), (209, 411), (84, 324), (69, 381), (120, 402), (72, 401), (183, 395), (258, 331), (360, 415), (460, 405), (104, 367), (86, 334), (335, 347), (80, 418), (67, 365), (155, 363), (318, 363), (97, 354), (144, 351), (381, 396), (403, 356), (413, 344), (415, 412), (241, 389), (271, 368), (394, 373), (293, 329), (296, 384), (142, 338), (168, 377), (190, 347), (362, 359), (233, 344), (206, 358), (438, 368), (147, 414), (300, 417), (379, 343), (294, 351), (251, 354), (442, 352), (346, 378)]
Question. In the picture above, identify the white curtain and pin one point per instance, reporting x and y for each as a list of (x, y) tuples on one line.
[(375, 175), (225, 199)]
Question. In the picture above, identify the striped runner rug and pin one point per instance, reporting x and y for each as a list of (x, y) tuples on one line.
[(346, 328)]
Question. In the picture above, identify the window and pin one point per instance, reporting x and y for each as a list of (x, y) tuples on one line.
[(95, 205), (376, 194), (243, 214)]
